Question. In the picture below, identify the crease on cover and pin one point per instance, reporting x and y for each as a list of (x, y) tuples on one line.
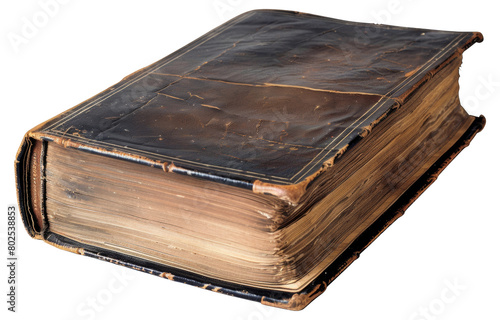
[(293, 193), (290, 193)]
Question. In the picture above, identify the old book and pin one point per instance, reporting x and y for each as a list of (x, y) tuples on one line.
[(257, 161)]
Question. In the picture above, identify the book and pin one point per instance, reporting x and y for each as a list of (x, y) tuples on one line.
[(257, 161)]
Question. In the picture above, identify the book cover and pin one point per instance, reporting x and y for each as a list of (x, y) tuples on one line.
[(266, 102)]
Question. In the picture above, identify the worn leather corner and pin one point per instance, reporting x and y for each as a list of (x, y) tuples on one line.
[(298, 301)]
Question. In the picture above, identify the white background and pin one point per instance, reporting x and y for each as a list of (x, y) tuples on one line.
[(450, 235)]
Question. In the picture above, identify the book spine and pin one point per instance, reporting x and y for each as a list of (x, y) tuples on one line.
[(29, 172)]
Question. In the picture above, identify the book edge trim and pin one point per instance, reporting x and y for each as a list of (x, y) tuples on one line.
[(275, 298)]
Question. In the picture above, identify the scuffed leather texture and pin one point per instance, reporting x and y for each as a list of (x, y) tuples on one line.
[(268, 96)]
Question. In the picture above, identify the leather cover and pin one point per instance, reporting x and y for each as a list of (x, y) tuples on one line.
[(266, 102)]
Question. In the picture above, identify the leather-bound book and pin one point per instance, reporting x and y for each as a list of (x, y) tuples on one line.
[(257, 161)]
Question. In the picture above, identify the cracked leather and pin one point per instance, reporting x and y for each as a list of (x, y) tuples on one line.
[(268, 96)]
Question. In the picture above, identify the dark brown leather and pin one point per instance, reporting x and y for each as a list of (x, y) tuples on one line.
[(269, 96)]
